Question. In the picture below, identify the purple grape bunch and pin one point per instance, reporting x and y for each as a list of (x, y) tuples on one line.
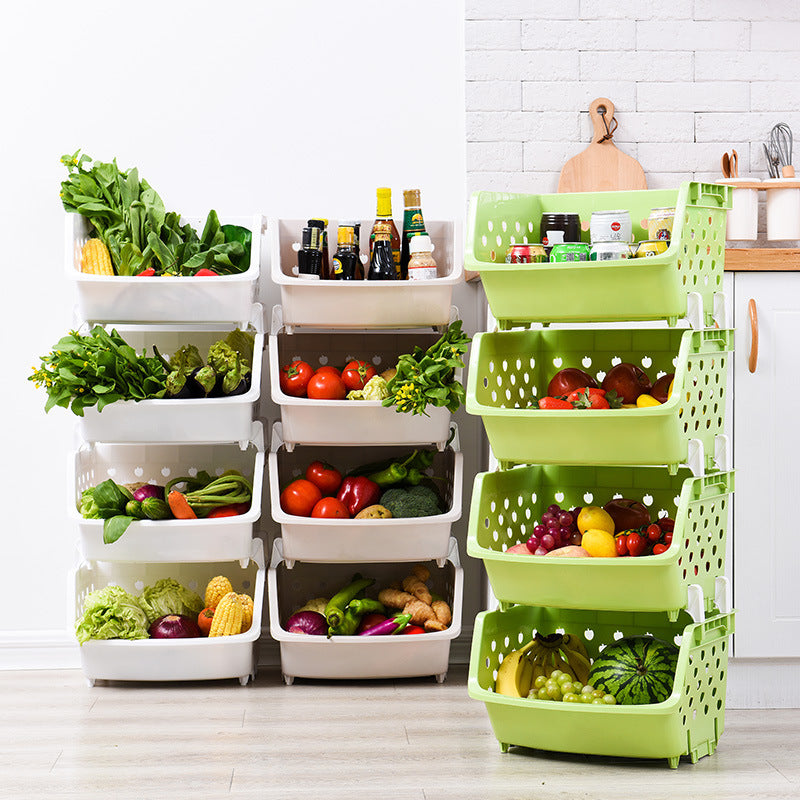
[(557, 528)]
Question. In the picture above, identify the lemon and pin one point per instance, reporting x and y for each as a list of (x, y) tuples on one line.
[(599, 544), (596, 518), (646, 401)]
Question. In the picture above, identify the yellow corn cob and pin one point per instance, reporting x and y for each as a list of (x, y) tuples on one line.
[(95, 258), (247, 611), (217, 588), (228, 616)]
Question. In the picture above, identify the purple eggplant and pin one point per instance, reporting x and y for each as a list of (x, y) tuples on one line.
[(388, 627)]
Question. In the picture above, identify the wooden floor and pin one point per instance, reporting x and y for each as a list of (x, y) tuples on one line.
[(404, 740)]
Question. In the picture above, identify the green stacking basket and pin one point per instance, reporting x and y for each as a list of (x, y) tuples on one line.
[(596, 291), (688, 723), (506, 505), (510, 370)]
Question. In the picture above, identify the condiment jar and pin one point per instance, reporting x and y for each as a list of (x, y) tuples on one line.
[(421, 266)]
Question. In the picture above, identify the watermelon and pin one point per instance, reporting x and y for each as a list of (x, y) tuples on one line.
[(636, 670)]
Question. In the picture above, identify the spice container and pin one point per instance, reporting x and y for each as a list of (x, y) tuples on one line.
[(783, 209), (421, 265), (611, 226), (659, 223), (743, 215)]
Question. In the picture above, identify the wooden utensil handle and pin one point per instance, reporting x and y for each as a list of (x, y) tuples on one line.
[(597, 118)]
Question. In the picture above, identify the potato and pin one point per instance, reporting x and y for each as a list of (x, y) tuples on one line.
[(374, 512)]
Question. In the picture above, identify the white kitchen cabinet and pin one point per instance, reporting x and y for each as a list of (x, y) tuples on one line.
[(766, 442)]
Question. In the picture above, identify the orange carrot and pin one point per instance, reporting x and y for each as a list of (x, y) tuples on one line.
[(179, 506)]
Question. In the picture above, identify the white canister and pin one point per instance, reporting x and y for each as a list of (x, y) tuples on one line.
[(783, 209), (743, 214), (611, 226)]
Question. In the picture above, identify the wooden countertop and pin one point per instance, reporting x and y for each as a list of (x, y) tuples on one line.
[(762, 259)]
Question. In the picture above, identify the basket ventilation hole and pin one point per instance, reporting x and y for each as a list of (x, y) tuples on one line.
[(616, 496), (490, 226), (588, 497), (587, 362), (616, 360), (504, 226), (557, 362), (677, 640), (139, 585), (647, 500), (588, 634), (494, 645), (323, 359), (111, 472), (487, 662), (647, 362), (166, 472), (600, 376), (138, 472), (218, 471), (618, 635), (192, 585), (559, 496), (192, 472), (376, 360)]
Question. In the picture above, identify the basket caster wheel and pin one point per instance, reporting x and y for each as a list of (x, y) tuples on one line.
[(673, 762), (243, 679), (90, 682), (288, 679), (440, 678), (504, 747)]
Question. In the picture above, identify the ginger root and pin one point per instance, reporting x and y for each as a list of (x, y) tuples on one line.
[(394, 598), (421, 572), (442, 611), (433, 625), (420, 612), (415, 586)]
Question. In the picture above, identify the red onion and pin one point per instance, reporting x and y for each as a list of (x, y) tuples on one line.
[(148, 490), (308, 622), (174, 626)]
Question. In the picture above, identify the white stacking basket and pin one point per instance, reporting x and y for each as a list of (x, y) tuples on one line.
[(218, 419), (338, 422), (173, 659), (163, 299), (187, 540), (364, 304), (350, 540), (358, 657)]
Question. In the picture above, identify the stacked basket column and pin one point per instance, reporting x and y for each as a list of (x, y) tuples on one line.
[(575, 458)]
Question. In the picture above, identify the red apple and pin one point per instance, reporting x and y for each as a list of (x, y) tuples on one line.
[(661, 387), (627, 514), (628, 381), (568, 380)]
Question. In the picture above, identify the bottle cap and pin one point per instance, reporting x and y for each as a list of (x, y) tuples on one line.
[(555, 237), (384, 201), (318, 223), (411, 198), (346, 233), (420, 244)]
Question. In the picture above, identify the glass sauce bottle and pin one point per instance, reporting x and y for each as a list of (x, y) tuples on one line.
[(421, 266), (384, 217), (381, 262), (346, 264), (413, 225)]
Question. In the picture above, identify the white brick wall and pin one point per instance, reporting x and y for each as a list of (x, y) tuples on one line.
[(690, 79)]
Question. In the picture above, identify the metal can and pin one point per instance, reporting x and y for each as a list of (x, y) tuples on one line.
[(659, 223), (525, 254), (570, 224), (570, 251), (651, 247), (611, 226), (610, 251)]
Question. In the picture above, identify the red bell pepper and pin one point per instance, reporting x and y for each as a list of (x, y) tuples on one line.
[(358, 492)]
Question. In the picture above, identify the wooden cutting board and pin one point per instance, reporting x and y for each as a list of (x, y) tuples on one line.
[(601, 167)]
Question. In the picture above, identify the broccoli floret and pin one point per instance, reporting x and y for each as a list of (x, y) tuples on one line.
[(417, 501)]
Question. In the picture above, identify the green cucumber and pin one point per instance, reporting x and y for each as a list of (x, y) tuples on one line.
[(154, 508)]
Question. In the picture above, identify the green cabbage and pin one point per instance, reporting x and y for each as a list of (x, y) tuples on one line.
[(111, 613), (167, 596)]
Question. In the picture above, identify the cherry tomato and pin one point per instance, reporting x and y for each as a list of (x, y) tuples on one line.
[(328, 369), (330, 508), (325, 477), (295, 377), (370, 621), (621, 543), (300, 497), (326, 386), (658, 549), (653, 532), (636, 544), (232, 510), (412, 629), (668, 538), (147, 273), (204, 620), (356, 374), (204, 272)]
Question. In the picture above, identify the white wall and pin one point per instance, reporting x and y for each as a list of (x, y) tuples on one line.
[(690, 79), (284, 108)]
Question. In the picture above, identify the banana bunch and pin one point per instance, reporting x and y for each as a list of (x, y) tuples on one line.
[(543, 654)]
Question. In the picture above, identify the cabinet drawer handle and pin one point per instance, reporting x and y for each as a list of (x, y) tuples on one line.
[(753, 360)]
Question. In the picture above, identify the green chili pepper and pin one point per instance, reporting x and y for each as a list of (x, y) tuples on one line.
[(422, 459), (393, 474), (352, 616), (337, 605), (415, 477)]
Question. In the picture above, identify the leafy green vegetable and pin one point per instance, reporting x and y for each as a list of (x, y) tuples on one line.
[(416, 501), (426, 377), (98, 368), (108, 501), (167, 596), (184, 361), (129, 216), (111, 613)]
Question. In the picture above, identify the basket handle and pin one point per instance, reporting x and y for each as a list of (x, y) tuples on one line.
[(713, 629), (709, 195)]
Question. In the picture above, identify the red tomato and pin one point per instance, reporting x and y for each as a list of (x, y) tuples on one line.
[(668, 538), (653, 532), (621, 543), (636, 544), (659, 549), (233, 510), (370, 621), (325, 477), (326, 386), (410, 629), (330, 508), (300, 497), (204, 272), (204, 620), (146, 273), (295, 377), (356, 374), (328, 369)]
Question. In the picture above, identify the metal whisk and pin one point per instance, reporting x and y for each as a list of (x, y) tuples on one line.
[(780, 147)]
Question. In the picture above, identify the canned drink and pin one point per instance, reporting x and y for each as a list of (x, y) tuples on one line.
[(651, 247), (659, 223), (610, 251), (525, 254), (570, 251), (611, 226), (568, 224)]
